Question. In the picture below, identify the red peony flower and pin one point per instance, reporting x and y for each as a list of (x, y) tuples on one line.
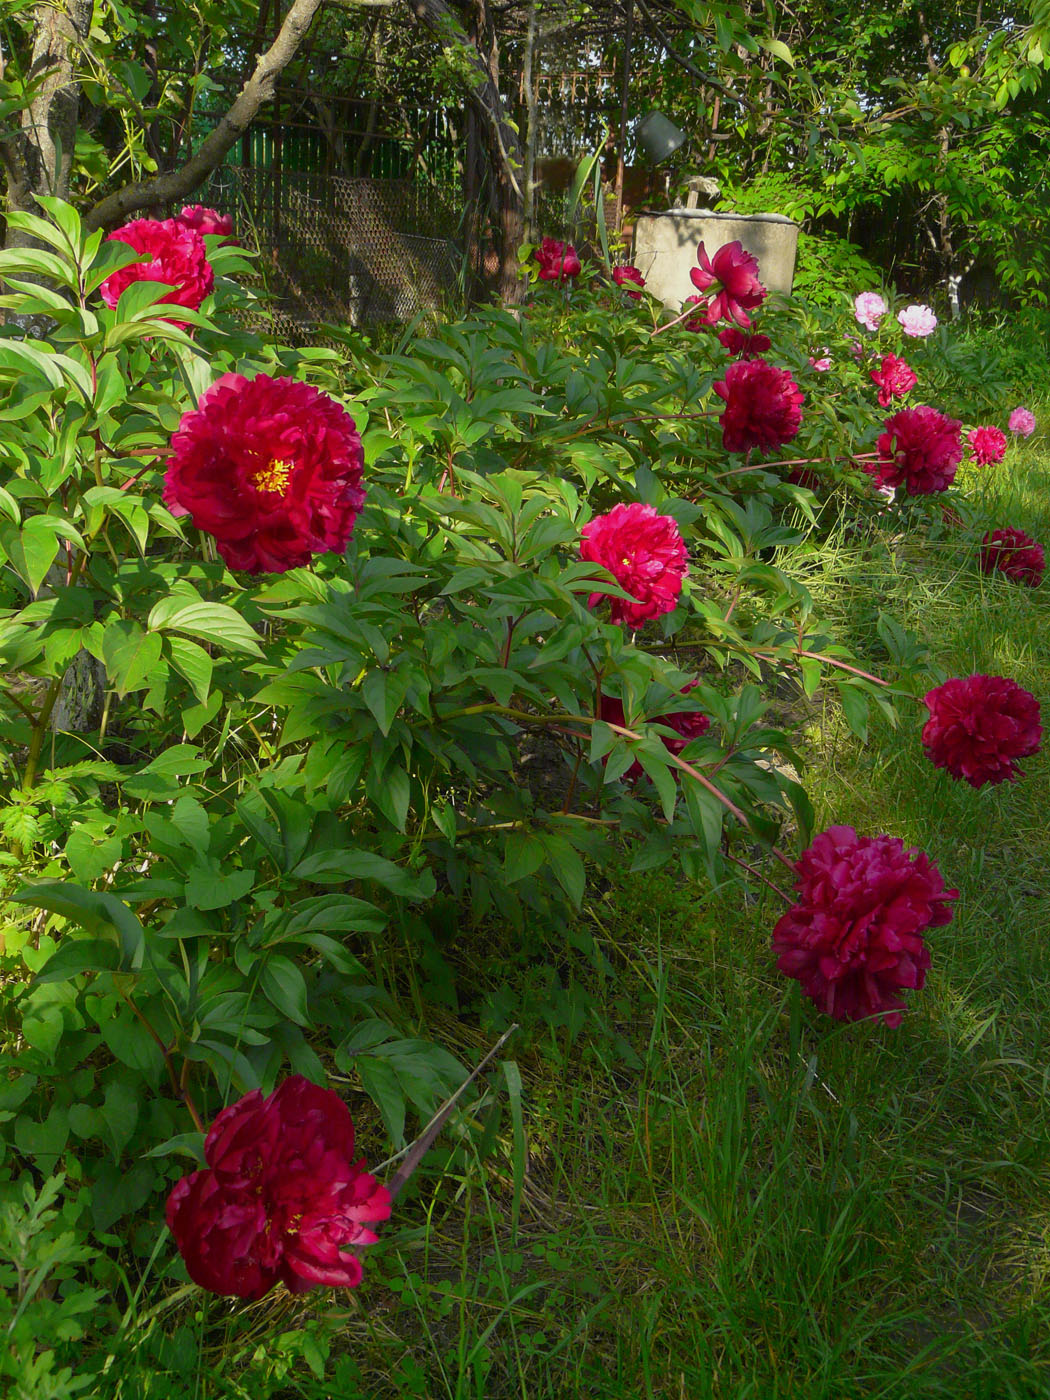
[(988, 446), (646, 555), (895, 378), (624, 274), (177, 256), (271, 468), (280, 1198), (802, 476), (854, 939), (979, 727), (920, 450), (1013, 553), (557, 260), (763, 406), (736, 274), (205, 220), (690, 724), (743, 345), (694, 323)]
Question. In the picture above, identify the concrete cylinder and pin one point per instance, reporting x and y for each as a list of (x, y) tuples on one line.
[(665, 247)]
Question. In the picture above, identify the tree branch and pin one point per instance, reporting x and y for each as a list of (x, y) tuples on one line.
[(256, 91)]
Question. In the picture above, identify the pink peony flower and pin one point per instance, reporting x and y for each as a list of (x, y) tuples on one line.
[(271, 467), (743, 344), (763, 406), (1013, 553), (645, 554), (557, 260), (895, 378), (822, 363), (979, 727), (623, 274), (917, 320), (854, 939), (177, 256), (1022, 422), (988, 445), (735, 272), (920, 450), (869, 309), (280, 1199), (689, 724), (205, 220)]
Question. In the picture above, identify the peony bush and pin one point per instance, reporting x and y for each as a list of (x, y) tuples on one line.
[(330, 602)]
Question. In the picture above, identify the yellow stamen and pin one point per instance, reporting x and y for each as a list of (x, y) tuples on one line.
[(274, 478)]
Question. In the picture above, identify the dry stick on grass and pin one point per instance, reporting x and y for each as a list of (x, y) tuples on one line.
[(417, 1150)]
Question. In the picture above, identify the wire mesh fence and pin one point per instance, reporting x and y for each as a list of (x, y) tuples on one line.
[(348, 251)]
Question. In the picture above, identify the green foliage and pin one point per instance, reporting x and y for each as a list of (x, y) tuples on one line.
[(312, 798)]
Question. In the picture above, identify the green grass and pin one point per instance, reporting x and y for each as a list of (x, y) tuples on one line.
[(704, 1188)]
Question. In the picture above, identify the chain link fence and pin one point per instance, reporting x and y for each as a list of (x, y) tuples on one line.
[(342, 250)]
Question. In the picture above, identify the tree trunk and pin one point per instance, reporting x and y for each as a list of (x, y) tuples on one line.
[(38, 156), (501, 140)]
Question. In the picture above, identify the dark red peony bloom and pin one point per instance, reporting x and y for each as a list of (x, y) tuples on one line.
[(854, 939), (177, 256), (736, 274), (979, 727), (271, 468), (624, 275), (802, 476), (1013, 553), (280, 1198), (205, 220), (920, 450), (988, 446), (743, 345), (690, 724), (763, 406), (646, 555), (557, 260), (895, 378), (694, 323)]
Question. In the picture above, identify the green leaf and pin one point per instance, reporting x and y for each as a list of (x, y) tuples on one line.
[(855, 708), (567, 866), (384, 693), (211, 887), (131, 1043), (43, 1141), (334, 867), (75, 956), (778, 49), (96, 911), (192, 662), (284, 985), (120, 1109), (130, 655), (382, 1085), (215, 622), (190, 818), (657, 768)]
